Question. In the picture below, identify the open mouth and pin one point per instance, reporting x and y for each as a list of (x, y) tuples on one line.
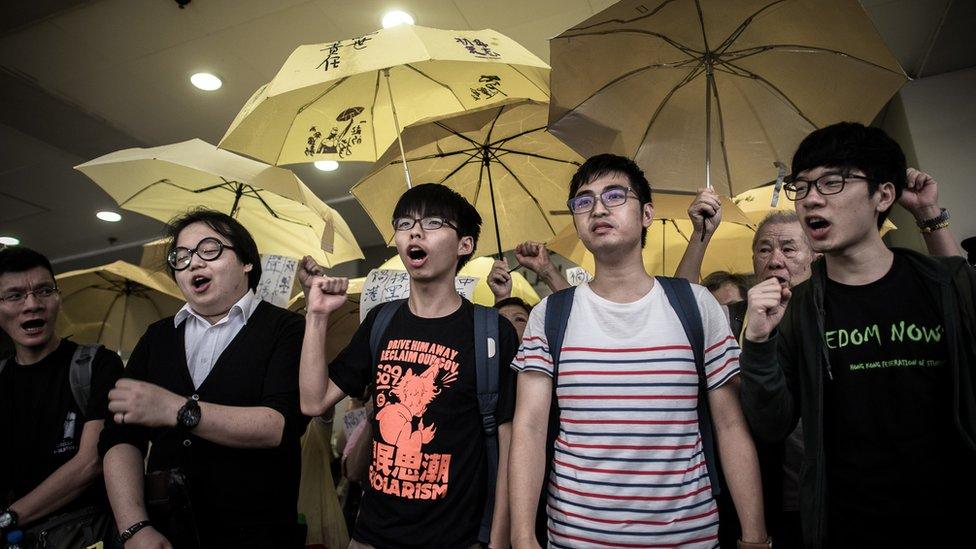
[(601, 227), (416, 257), (33, 326), (200, 283), (818, 226)]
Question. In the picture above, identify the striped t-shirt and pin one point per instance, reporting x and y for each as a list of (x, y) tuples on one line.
[(629, 470)]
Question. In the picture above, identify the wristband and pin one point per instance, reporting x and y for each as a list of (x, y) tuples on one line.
[(126, 535), (940, 221), (756, 545)]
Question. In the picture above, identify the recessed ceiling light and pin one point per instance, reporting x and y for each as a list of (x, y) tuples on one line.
[(111, 217), (206, 81), (393, 18), (9, 241), (327, 165)]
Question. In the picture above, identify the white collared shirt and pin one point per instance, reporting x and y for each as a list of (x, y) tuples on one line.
[(205, 342)]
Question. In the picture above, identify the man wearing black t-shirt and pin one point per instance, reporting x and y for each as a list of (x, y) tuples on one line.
[(49, 463), (427, 479), (874, 353)]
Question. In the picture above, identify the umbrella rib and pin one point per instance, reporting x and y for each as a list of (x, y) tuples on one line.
[(491, 129), (534, 155), (687, 79), (678, 229), (624, 21), (721, 131), (687, 50), (800, 48), (107, 313), (543, 90), (452, 131), (456, 170), (439, 83), (431, 156), (622, 77), (527, 192), (779, 92), (503, 140), (734, 35), (701, 23)]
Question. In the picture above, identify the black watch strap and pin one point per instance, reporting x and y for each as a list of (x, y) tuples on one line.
[(126, 535)]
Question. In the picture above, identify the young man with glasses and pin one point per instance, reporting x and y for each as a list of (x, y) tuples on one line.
[(215, 391), (427, 478), (49, 464), (628, 466), (875, 354)]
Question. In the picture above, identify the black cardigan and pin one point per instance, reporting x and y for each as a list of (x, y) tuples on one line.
[(229, 486)]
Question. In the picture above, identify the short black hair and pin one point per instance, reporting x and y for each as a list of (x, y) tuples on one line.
[(517, 301), (849, 145), (17, 259), (226, 226), (434, 199), (600, 165), (716, 280)]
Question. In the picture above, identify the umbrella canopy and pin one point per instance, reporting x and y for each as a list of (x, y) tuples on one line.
[(479, 268), (501, 159), (282, 214), (114, 304), (716, 90), (730, 248), (755, 204), (347, 100)]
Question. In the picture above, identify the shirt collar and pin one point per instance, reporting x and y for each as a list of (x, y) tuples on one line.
[(245, 307)]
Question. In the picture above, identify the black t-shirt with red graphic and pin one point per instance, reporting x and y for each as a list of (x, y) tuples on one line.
[(427, 480)]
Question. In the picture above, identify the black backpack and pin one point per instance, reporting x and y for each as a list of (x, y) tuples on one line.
[(485, 328), (681, 298)]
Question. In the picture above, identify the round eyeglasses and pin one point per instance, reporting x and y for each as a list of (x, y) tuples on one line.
[(611, 198), (207, 249)]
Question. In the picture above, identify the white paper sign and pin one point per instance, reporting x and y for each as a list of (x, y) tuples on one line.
[(577, 276), (384, 285), (277, 277)]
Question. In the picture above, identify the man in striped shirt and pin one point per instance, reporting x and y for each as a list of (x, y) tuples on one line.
[(628, 467)]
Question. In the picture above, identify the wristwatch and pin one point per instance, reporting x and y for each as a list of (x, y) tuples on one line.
[(189, 415), (8, 519)]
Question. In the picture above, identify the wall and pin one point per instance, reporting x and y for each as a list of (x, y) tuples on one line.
[(934, 119)]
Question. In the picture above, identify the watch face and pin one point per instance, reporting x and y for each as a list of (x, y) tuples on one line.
[(189, 415), (5, 520)]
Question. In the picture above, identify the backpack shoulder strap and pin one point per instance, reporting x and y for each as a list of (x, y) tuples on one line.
[(80, 375), (3, 364), (384, 315), (558, 307), (486, 351), (682, 300)]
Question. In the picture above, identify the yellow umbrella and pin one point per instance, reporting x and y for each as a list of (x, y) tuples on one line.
[(755, 203), (284, 216), (114, 304), (347, 100), (479, 268), (719, 90), (500, 158), (729, 248)]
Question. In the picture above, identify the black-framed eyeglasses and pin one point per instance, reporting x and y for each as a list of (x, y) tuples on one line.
[(207, 249), (431, 223), (17, 296), (827, 184), (611, 198)]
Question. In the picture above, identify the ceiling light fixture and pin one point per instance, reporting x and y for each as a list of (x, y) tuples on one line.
[(327, 165), (393, 18), (206, 81), (111, 217), (9, 241)]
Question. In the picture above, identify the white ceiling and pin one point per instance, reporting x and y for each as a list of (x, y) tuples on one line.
[(80, 79)]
